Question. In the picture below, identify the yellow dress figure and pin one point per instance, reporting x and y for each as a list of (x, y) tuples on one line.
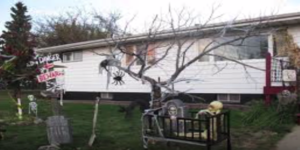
[(214, 108)]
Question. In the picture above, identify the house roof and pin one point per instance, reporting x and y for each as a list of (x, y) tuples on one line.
[(274, 20)]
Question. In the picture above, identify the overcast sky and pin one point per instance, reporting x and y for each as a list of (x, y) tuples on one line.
[(145, 9)]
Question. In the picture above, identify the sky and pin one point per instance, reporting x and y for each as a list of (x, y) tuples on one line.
[(145, 10)]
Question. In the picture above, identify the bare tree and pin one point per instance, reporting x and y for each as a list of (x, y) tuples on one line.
[(174, 35), (72, 27)]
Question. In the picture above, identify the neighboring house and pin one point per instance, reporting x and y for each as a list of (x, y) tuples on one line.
[(218, 79)]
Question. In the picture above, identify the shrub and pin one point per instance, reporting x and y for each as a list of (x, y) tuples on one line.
[(274, 117)]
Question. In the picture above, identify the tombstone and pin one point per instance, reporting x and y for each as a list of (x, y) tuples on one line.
[(58, 130), (175, 109)]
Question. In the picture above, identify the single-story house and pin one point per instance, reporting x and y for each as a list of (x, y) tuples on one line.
[(215, 78)]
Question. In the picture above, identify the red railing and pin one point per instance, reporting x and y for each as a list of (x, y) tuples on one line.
[(274, 74)]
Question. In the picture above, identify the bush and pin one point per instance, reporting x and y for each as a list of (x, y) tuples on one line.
[(270, 117)]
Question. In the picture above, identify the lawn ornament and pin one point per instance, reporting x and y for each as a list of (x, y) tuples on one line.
[(213, 108), (173, 124), (93, 136), (109, 62), (128, 110), (106, 64), (2, 129), (118, 78), (32, 105), (285, 98)]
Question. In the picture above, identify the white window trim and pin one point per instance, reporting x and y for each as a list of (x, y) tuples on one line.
[(228, 99)]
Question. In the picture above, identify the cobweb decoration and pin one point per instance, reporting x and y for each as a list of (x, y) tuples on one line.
[(107, 65)]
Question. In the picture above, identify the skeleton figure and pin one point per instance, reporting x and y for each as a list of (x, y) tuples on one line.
[(284, 98), (32, 105)]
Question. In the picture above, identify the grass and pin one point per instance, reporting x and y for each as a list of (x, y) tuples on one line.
[(113, 131)]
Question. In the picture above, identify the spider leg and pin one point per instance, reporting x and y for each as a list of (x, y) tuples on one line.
[(115, 74), (122, 82), (119, 73), (114, 83)]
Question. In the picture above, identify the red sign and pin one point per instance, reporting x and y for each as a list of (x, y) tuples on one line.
[(48, 76), (48, 66)]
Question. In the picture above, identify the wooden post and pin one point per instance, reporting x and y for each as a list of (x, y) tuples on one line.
[(268, 79), (93, 136)]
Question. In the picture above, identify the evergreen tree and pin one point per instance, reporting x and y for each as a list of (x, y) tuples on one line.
[(16, 52)]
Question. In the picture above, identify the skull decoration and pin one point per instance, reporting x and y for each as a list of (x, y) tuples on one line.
[(213, 108)]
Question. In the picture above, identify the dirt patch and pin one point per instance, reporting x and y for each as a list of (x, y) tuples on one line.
[(249, 140)]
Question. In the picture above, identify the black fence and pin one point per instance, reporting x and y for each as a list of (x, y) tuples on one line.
[(205, 130)]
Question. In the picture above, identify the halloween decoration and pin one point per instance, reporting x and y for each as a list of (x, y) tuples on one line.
[(93, 136), (118, 78), (142, 104), (285, 98), (213, 108), (32, 105), (106, 63), (173, 124), (2, 130), (2, 133)]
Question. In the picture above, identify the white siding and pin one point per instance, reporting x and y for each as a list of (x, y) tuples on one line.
[(84, 76)]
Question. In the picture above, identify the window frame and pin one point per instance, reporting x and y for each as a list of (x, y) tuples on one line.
[(228, 99), (200, 48), (135, 49), (106, 95), (269, 48), (72, 56)]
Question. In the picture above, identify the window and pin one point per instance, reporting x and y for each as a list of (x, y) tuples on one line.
[(129, 58), (151, 54), (106, 96), (249, 48), (72, 56), (140, 49), (202, 44), (232, 98)]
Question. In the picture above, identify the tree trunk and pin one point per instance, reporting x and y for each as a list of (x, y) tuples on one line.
[(156, 96), (17, 99)]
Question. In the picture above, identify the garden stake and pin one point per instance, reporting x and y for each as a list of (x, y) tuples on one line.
[(93, 136)]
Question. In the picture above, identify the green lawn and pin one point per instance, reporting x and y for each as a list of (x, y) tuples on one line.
[(113, 131)]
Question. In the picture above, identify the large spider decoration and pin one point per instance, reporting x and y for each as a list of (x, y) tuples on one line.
[(118, 78)]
